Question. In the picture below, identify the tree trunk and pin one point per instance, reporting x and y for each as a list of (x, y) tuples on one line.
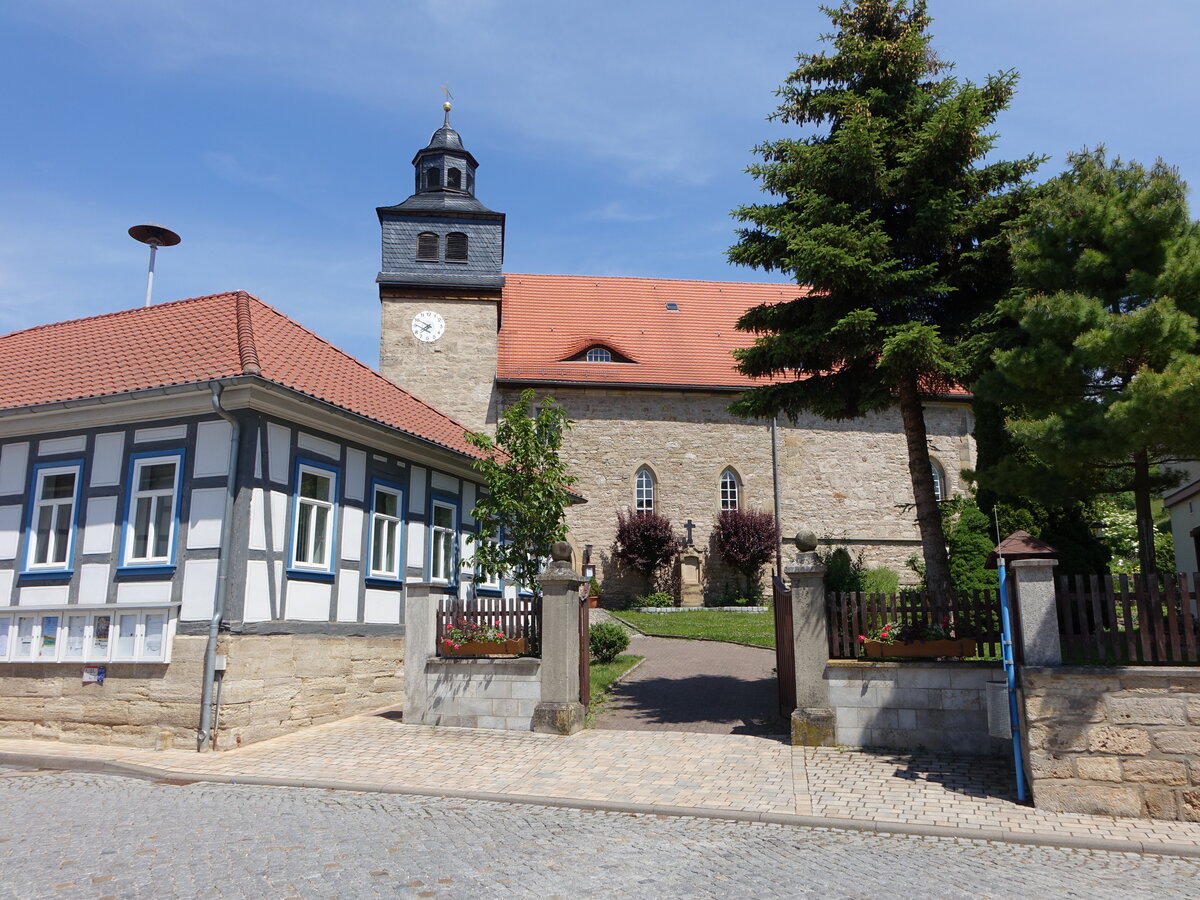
[(929, 517), (1145, 518)]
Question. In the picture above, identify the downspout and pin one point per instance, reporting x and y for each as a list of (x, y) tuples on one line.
[(775, 488), (214, 626)]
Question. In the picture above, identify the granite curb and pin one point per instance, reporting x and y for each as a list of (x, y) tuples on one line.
[(1008, 836)]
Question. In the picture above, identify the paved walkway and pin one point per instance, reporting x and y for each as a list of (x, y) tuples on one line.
[(697, 686), (732, 776)]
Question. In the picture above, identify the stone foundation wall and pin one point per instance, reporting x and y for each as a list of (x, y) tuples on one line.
[(482, 693), (913, 706), (1114, 742), (274, 684)]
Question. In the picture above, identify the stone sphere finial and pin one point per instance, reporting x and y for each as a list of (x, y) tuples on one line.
[(806, 541), (561, 551)]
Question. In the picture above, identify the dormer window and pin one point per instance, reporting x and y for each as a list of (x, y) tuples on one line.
[(456, 245), (427, 246), (454, 179), (599, 355), (433, 178)]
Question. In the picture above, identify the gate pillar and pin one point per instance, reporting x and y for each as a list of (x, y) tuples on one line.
[(814, 721), (560, 711)]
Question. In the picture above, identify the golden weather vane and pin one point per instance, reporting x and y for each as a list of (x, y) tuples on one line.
[(446, 105)]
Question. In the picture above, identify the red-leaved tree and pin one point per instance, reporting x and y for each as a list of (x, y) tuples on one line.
[(645, 542), (746, 539)]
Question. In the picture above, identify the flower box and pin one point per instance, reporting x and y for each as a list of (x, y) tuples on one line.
[(916, 649), (512, 647)]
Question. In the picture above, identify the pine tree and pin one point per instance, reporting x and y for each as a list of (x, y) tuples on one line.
[(1103, 386), (891, 216)]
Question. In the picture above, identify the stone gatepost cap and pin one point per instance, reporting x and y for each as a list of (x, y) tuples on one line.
[(561, 551), (806, 541)]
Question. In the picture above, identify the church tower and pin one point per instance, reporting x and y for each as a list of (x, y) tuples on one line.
[(440, 285)]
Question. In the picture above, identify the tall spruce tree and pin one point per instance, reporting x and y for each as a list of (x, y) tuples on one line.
[(889, 213), (1102, 389)]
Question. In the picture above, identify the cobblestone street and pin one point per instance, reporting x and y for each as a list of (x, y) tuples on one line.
[(78, 835)]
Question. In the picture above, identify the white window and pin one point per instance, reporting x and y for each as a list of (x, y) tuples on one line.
[(312, 532), (152, 510), (599, 355), (643, 491), (386, 529), (99, 637), (730, 489), (442, 529), (485, 578), (939, 481), (52, 518)]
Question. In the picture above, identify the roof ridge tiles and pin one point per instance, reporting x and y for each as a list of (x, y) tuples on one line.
[(643, 278), (128, 312)]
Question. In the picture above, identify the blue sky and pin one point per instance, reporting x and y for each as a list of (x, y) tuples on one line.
[(614, 135)]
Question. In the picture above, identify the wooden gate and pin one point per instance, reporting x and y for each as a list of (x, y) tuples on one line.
[(785, 648), (585, 651)]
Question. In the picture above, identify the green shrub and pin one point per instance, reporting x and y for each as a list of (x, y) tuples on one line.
[(593, 587), (880, 581), (661, 598), (607, 641)]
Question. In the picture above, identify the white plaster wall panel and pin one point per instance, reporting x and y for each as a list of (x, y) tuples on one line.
[(75, 444), (415, 541), (10, 532), (257, 539), (13, 460), (279, 452), (308, 601), (313, 444), (100, 525), (204, 520), (279, 520), (135, 592), (445, 483), (162, 433), (93, 583), (352, 533), (199, 588), (6, 583), (416, 490), (212, 448), (44, 595), (468, 503), (108, 458), (258, 592), (356, 474), (382, 607), (347, 595)]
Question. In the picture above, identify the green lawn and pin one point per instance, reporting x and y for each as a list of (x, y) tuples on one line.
[(602, 677), (715, 624)]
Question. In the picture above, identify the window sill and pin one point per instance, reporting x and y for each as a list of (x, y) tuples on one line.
[(394, 584), (489, 591), (40, 576), (309, 575), (161, 571)]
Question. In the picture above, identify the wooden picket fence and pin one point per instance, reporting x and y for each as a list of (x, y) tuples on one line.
[(974, 614), (1148, 620), (516, 616)]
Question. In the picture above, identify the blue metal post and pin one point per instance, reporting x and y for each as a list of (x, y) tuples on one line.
[(1010, 674)]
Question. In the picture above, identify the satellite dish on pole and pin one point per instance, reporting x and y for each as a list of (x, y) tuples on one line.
[(156, 236)]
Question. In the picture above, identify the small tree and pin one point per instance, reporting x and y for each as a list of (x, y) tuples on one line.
[(645, 542), (746, 539), (523, 512)]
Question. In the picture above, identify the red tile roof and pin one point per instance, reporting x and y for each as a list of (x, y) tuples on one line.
[(197, 340), (549, 318)]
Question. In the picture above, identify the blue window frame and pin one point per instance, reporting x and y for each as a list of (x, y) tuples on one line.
[(52, 518), (385, 544), (313, 551), (150, 530), (442, 567)]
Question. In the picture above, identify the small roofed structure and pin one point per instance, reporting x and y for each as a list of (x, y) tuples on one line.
[(1020, 545)]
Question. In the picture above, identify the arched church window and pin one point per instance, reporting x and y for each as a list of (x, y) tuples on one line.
[(731, 489), (456, 245), (433, 178), (939, 481), (599, 354), (643, 491), (427, 245), (454, 179)]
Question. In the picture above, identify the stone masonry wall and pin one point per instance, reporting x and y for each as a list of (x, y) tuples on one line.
[(1114, 742), (483, 693), (913, 705)]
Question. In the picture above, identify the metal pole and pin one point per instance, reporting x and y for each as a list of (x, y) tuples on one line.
[(150, 274), (775, 487), (1010, 674)]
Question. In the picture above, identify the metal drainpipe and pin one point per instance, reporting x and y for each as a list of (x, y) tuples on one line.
[(775, 489), (214, 626)]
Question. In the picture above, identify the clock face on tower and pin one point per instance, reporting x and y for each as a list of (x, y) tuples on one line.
[(428, 326)]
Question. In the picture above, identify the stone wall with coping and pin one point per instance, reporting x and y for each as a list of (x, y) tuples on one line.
[(914, 705), (274, 684), (1114, 741), (482, 693)]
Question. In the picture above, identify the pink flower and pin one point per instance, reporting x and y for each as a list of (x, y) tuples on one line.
[(862, 638)]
